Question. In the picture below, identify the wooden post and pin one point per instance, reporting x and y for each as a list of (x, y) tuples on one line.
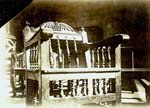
[(118, 74), (39, 71), (25, 33), (132, 59), (45, 89), (76, 54), (68, 55), (51, 59), (60, 55)]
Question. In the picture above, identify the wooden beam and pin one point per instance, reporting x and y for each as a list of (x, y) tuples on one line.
[(146, 84), (140, 89)]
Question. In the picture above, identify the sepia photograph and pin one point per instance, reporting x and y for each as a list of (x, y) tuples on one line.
[(75, 53)]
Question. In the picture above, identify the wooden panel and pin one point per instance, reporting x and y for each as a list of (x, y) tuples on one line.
[(60, 36), (118, 88), (45, 90), (86, 99), (31, 75), (79, 76)]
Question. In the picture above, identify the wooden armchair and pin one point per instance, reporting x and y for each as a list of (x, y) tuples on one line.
[(62, 65)]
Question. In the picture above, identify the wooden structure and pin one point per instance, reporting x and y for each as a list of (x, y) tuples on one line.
[(135, 71), (146, 84), (17, 76), (61, 65)]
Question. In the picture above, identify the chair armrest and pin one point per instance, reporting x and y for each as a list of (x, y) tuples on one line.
[(113, 41)]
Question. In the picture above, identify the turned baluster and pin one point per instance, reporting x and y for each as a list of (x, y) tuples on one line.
[(51, 59), (36, 56), (106, 85), (93, 58), (110, 85), (76, 54), (84, 87), (31, 57), (60, 58), (61, 88), (68, 55), (69, 85), (101, 85), (109, 56), (18, 61), (95, 86), (106, 88), (98, 57), (103, 56), (78, 88), (109, 65), (50, 88), (74, 88)]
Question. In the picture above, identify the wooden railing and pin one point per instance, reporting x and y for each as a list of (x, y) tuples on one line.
[(20, 60)]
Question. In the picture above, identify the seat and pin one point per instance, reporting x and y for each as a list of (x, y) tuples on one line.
[(62, 64)]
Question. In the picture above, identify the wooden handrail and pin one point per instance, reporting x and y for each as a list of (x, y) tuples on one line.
[(113, 41)]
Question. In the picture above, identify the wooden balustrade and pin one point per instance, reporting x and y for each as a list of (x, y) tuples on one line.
[(19, 60), (79, 87), (101, 57), (33, 58)]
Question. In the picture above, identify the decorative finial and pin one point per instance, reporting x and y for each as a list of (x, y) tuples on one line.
[(82, 28)]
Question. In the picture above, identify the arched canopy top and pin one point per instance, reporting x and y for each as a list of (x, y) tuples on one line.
[(57, 27), (52, 30)]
